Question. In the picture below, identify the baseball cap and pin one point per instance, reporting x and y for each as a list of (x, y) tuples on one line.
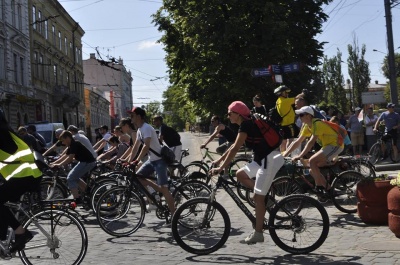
[(138, 111), (240, 108), (305, 109), (105, 127), (59, 131), (390, 105), (357, 109)]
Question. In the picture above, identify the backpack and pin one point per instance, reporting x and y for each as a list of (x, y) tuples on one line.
[(342, 133), (270, 132), (275, 117)]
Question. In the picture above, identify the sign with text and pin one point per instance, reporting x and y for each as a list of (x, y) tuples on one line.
[(373, 97), (292, 67), (260, 72)]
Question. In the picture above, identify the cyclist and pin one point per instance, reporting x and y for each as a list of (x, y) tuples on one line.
[(169, 136), (223, 130), (16, 179), (327, 137), (392, 122), (264, 166), (147, 135), (285, 110), (86, 162)]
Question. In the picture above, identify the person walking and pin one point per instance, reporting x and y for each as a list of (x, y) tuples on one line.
[(357, 131), (258, 106)]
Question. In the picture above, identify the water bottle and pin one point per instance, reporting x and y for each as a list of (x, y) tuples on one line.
[(306, 172)]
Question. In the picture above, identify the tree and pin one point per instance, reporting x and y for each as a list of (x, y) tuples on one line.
[(212, 45), (358, 71), (334, 82)]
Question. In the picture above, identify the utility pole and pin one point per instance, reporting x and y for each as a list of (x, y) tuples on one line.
[(391, 59)]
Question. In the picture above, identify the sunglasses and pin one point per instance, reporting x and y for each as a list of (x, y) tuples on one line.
[(230, 113), (302, 114)]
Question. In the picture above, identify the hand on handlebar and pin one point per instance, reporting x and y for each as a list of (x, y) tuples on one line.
[(202, 146), (215, 171)]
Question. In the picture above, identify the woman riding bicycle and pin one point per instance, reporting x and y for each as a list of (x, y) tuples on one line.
[(19, 175), (264, 167)]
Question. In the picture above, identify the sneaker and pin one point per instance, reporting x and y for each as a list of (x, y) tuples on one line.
[(322, 194), (254, 237), (151, 207), (20, 241)]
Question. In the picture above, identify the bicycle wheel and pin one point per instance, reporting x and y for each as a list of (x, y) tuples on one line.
[(189, 190), (99, 190), (375, 153), (198, 235), (343, 191), (305, 226), (49, 191), (394, 155), (66, 241), (197, 170), (365, 167), (120, 212)]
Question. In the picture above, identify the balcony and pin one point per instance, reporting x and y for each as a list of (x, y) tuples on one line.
[(62, 96)]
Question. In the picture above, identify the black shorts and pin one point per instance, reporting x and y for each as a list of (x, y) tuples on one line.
[(290, 131), (393, 134)]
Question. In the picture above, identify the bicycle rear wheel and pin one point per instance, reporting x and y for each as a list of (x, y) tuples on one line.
[(192, 228), (375, 153), (66, 241), (365, 167), (305, 226), (99, 190), (343, 191), (394, 155), (49, 191), (120, 212), (197, 170)]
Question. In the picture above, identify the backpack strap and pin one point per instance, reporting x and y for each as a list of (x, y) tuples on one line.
[(151, 150), (276, 106)]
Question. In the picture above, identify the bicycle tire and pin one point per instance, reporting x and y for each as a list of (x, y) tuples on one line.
[(99, 190), (63, 239), (343, 191), (50, 192), (189, 190), (375, 153), (365, 167), (197, 238), (120, 212), (305, 227), (394, 157), (197, 170)]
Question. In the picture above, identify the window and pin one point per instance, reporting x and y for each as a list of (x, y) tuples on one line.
[(34, 17), (22, 70), (39, 22), (36, 64), (47, 70), (55, 73), (71, 48), (53, 33), (66, 45), (79, 56), (46, 29), (19, 14), (68, 84), (59, 40), (61, 76), (13, 20), (15, 57), (2, 70), (1, 15), (41, 72)]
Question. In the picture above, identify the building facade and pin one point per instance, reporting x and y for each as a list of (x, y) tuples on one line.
[(17, 95), (96, 112), (56, 63), (111, 80)]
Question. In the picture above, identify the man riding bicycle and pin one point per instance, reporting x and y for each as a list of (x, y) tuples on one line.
[(326, 136), (392, 121)]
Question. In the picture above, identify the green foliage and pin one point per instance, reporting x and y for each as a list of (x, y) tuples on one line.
[(385, 66), (359, 71), (213, 45)]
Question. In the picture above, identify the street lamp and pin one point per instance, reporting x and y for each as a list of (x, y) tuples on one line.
[(375, 50)]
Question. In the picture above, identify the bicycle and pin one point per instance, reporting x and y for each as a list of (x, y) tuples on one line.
[(120, 210), (297, 224), (343, 185), (55, 228), (376, 153)]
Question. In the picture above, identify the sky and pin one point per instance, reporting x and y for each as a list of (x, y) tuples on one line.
[(124, 28)]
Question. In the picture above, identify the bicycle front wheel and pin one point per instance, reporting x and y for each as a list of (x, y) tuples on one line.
[(64, 241), (305, 226), (192, 228), (120, 212), (343, 191), (375, 153)]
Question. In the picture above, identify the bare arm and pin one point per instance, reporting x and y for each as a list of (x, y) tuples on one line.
[(232, 151), (308, 147), (212, 136)]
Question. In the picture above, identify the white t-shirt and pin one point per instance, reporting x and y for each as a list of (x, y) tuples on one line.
[(107, 137), (147, 131), (86, 143)]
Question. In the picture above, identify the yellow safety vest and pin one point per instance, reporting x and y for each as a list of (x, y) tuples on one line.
[(24, 155)]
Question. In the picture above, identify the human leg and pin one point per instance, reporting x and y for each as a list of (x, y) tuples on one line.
[(162, 180), (73, 177)]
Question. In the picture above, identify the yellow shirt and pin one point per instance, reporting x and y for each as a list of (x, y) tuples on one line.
[(285, 109), (326, 135)]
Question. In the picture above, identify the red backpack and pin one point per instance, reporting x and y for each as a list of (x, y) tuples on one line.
[(270, 132)]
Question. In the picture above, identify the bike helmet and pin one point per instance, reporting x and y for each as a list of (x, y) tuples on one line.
[(280, 89)]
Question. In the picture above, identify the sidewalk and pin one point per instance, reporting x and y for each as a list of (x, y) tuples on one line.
[(350, 241)]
